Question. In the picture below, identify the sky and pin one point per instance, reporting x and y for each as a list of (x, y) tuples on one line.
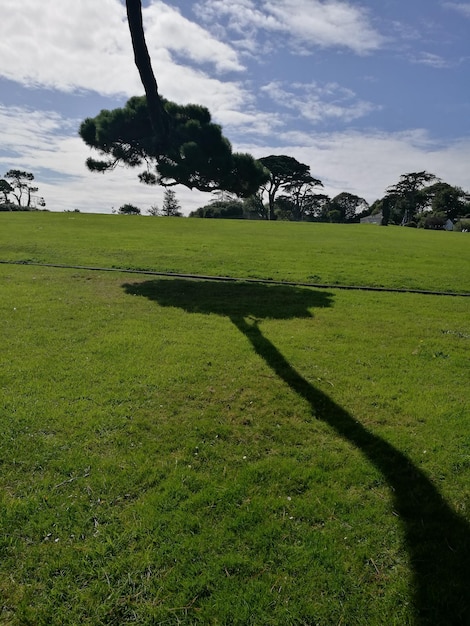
[(362, 91)]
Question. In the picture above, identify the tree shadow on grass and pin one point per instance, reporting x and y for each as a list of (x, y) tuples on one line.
[(437, 538)]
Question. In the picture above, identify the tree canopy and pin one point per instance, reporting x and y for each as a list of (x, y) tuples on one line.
[(447, 199), (199, 156), (221, 209), (345, 207), (171, 206), (421, 199), (179, 144), (288, 174), (129, 209), (5, 189), (407, 198)]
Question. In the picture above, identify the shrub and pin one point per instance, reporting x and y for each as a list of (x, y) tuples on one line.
[(463, 225), (435, 221), (10, 206), (128, 209)]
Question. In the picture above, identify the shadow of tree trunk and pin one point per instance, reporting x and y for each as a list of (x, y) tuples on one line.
[(437, 539)]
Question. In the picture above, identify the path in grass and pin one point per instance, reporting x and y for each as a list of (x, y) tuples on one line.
[(437, 538)]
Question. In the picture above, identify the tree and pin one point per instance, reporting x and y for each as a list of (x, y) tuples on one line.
[(300, 201), (255, 208), (345, 207), (5, 189), (434, 221), (446, 199), (284, 172), (128, 209), (154, 210), (21, 189), (171, 206), (408, 198), (220, 209), (199, 156), (181, 142)]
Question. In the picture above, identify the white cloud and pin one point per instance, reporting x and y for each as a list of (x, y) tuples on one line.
[(80, 46), (461, 7), (167, 28), (367, 163), (318, 103), (432, 60), (85, 45), (308, 23), (67, 45), (250, 122)]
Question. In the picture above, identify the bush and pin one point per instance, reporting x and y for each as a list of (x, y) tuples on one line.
[(435, 221), (128, 209), (10, 206), (232, 209), (463, 225)]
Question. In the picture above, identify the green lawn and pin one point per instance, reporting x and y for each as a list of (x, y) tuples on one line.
[(191, 452), (302, 252)]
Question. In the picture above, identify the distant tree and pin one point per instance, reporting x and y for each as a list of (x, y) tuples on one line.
[(21, 188), (345, 207), (375, 207), (171, 206), (408, 198), (128, 209), (5, 189), (285, 173), (446, 199), (284, 208), (434, 221), (463, 225), (220, 209), (255, 208), (300, 196), (380, 206), (154, 210), (317, 208)]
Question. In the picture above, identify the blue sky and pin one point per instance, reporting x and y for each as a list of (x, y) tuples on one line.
[(360, 90)]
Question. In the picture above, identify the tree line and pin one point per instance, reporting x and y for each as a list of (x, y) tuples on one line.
[(170, 207), (418, 199), (289, 193), (422, 199)]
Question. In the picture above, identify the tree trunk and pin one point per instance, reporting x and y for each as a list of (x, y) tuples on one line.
[(158, 116)]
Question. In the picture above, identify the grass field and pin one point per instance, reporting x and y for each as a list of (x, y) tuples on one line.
[(321, 253), (191, 452)]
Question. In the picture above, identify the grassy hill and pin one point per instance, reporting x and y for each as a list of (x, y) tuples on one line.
[(191, 452), (300, 252)]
